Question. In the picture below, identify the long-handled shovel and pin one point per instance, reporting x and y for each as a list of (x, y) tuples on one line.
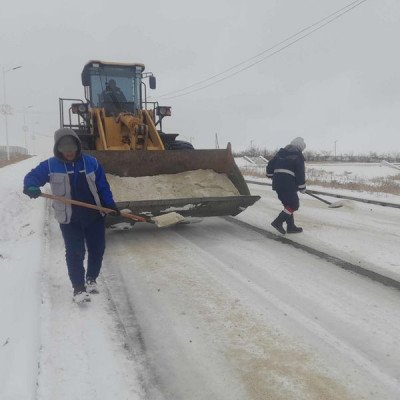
[(161, 221), (336, 204)]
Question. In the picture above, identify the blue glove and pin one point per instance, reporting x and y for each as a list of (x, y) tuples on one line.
[(33, 192)]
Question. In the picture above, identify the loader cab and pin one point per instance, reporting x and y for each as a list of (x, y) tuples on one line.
[(114, 87)]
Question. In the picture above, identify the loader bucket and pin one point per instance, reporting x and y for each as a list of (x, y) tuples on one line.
[(150, 163)]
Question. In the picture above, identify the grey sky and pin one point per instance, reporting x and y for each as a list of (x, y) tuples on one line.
[(342, 83)]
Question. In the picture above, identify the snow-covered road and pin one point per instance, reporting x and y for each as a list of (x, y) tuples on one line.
[(225, 313), (213, 310), (362, 234)]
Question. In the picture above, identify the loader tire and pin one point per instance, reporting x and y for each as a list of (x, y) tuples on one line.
[(180, 145)]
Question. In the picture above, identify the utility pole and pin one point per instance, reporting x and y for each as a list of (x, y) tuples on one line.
[(216, 141), (335, 148), (25, 128), (34, 136), (6, 109)]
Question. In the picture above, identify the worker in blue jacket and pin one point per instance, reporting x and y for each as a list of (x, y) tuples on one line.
[(287, 171), (76, 176)]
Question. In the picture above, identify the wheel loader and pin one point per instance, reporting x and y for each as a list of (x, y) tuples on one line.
[(119, 126)]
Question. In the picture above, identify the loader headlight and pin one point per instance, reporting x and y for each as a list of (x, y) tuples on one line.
[(79, 108), (82, 108), (164, 111)]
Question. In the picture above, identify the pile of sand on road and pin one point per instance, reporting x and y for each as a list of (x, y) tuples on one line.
[(198, 183)]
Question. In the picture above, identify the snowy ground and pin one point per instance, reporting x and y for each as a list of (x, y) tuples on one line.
[(83, 349), (212, 310), (371, 174), (21, 249), (362, 234), (355, 171)]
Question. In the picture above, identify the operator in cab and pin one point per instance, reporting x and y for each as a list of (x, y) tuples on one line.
[(113, 98)]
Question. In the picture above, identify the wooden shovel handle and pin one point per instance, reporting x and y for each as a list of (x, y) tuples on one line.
[(317, 197), (105, 210)]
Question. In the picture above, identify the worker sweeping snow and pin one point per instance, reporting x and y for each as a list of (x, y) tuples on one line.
[(76, 176), (287, 171)]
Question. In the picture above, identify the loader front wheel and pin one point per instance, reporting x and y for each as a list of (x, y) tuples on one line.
[(180, 145)]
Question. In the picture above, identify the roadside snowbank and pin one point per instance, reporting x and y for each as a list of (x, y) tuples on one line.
[(20, 258), (352, 171)]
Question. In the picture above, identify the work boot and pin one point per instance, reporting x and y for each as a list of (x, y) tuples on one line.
[(291, 227), (278, 222), (80, 296), (91, 286)]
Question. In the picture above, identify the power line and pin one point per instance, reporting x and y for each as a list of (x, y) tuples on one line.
[(261, 53), (332, 17)]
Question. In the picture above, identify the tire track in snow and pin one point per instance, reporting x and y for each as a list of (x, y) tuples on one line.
[(347, 349), (45, 251), (196, 269), (358, 269), (237, 347), (130, 329)]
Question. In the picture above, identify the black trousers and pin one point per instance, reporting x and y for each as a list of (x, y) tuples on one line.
[(76, 235), (289, 199)]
